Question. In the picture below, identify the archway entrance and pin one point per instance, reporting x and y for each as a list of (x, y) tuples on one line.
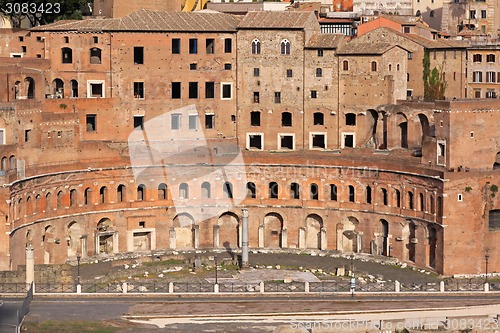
[(185, 232), (228, 231), (314, 224), (347, 238), (106, 237), (273, 229), (432, 246)]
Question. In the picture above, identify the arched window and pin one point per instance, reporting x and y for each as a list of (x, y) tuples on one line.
[(314, 191), (4, 163), (333, 192), (398, 198), (205, 190), (318, 118), (285, 46), (431, 14), (228, 190), (374, 66), (352, 194), (273, 190), (120, 193), (30, 83), (368, 195), (422, 202), (87, 196), (184, 191), (95, 55), (384, 196), (345, 65), (74, 88), (37, 203), (294, 191), (141, 192), (60, 195), (58, 88), (12, 162), (251, 190), (256, 46), (162, 191), (72, 198), (410, 200), (319, 72), (286, 119), (67, 55), (103, 194)]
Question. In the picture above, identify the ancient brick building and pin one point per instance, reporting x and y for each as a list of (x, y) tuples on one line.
[(126, 137)]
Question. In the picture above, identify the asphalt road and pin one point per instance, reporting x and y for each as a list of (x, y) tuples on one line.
[(8, 315), (112, 309)]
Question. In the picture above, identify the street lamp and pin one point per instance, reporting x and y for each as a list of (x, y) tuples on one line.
[(78, 257), (486, 258), (215, 259), (353, 279)]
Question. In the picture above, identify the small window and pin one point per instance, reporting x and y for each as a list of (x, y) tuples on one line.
[(67, 55), (319, 72), (228, 45), (483, 13), (350, 119), (226, 90), (273, 190), (490, 58), (142, 224), (294, 191), (320, 53), (255, 141), (209, 121), (286, 142), (406, 30), (228, 66), (345, 65), (318, 141), (175, 121), (176, 46), (138, 55), (23, 49), (289, 73), (21, 38), (251, 190), (286, 119), (227, 189), (460, 198), (141, 192), (410, 56), (139, 90), (193, 121), (431, 13), (256, 97), (209, 89), (66, 39), (277, 97), (176, 90), (255, 46), (477, 57), (256, 72), (95, 55), (184, 191), (139, 123), (95, 39), (333, 192), (210, 45), (352, 194), (205, 190), (27, 135), (193, 46), (255, 118), (193, 66), (374, 66), (318, 118), (314, 192), (91, 122), (314, 94), (193, 89)]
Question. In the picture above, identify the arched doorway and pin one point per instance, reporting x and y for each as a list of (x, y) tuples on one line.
[(228, 231), (402, 122), (347, 238), (185, 232), (106, 237), (47, 241), (74, 239), (424, 126), (273, 230), (29, 84), (432, 246), (58, 88), (314, 224), (496, 165)]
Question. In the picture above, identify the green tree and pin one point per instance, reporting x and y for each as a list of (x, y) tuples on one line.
[(40, 12), (434, 82)]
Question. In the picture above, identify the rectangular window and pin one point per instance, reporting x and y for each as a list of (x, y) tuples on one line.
[(286, 141), (255, 118), (176, 46), (176, 90), (193, 89), (314, 94), (210, 45), (193, 121), (477, 77), (209, 121), (483, 14), (477, 93), (491, 77), (320, 53), (228, 45), (255, 141), (2, 136), (27, 135), (139, 122), (95, 39), (256, 72), (139, 90), (410, 56), (226, 90), (66, 39), (209, 89), (193, 46), (491, 94), (289, 73), (227, 67), (91, 122), (406, 30), (193, 66), (138, 55), (96, 90), (318, 141), (175, 121), (277, 97), (472, 14), (256, 97)]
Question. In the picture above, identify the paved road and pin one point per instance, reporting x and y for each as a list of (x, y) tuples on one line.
[(8, 315), (191, 314)]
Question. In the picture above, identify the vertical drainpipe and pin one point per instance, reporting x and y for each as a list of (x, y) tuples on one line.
[(338, 103), (236, 87), (303, 89), (110, 64)]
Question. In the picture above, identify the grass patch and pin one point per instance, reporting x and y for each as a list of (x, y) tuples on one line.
[(67, 327), (169, 262)]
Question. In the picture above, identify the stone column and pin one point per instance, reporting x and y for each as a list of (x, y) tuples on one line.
[(261, 236), (30, 265), (323, 239), (172, 238), (284, 238), (216, 235), (244, 249), (196, 236), (302, 238)]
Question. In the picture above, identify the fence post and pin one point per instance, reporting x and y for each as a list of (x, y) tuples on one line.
[(261, 287), (216, 288), (397, 286), (306, 286), (124, 287), (486, 287), (78, 288), (441, 286), (170, 287)]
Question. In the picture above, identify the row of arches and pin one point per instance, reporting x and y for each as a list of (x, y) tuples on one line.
[(67, 55), (8, 163), (284, 46), (270, 231)]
